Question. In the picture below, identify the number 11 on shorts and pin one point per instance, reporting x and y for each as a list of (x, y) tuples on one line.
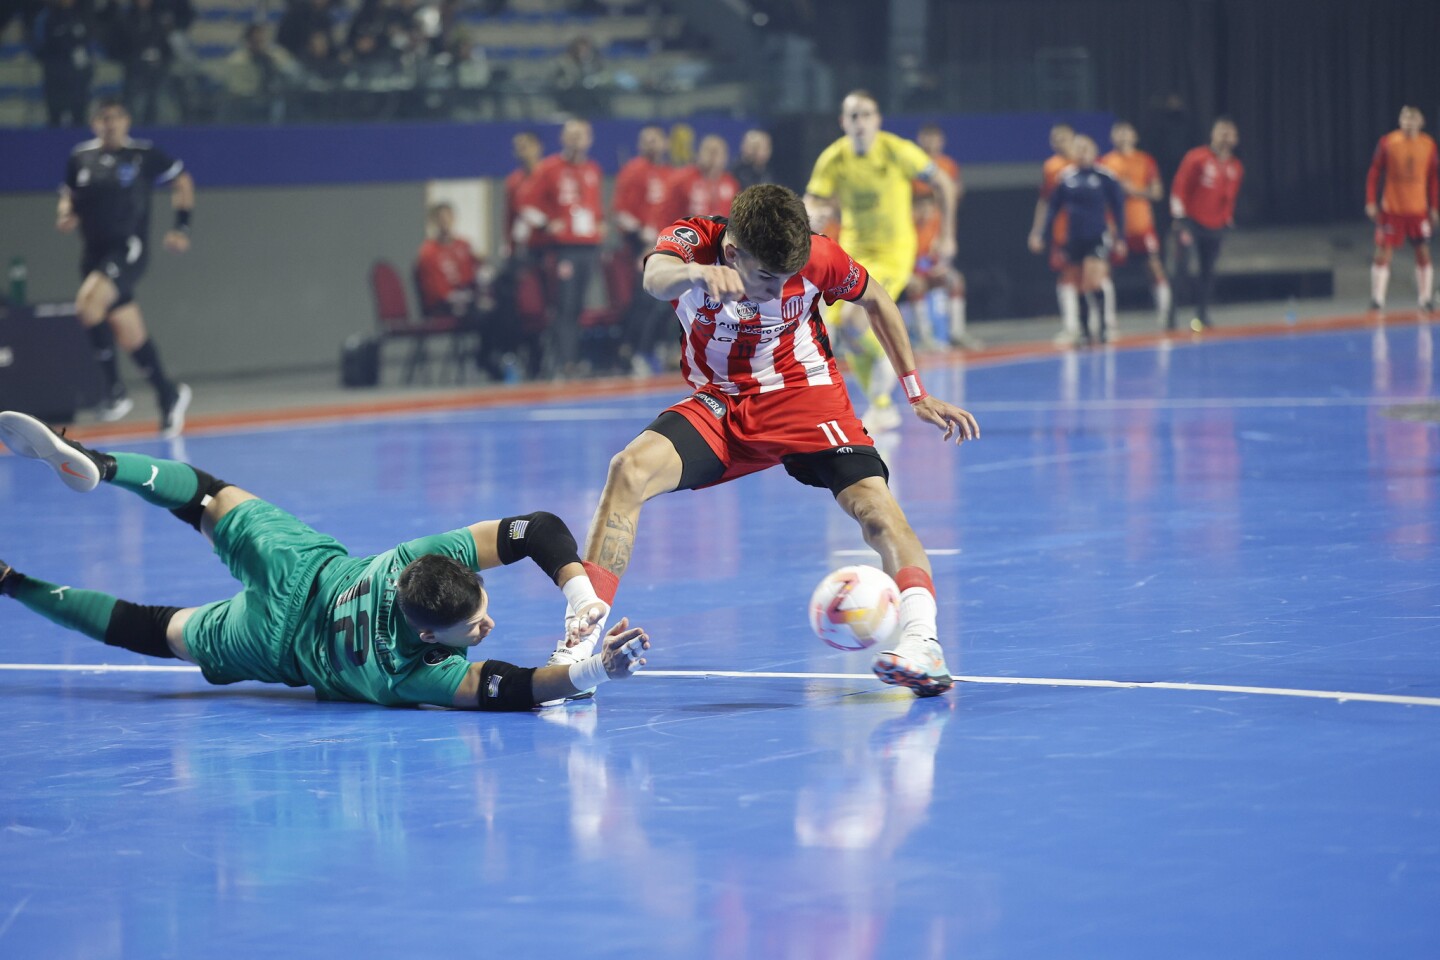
[(833, 433)]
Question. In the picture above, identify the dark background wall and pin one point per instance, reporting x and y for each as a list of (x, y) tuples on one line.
[(1311, 83)]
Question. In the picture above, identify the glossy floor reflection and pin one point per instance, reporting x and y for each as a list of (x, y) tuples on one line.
[(1253, 512)]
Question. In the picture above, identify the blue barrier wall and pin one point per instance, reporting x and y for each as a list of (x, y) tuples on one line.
[(33, 160)]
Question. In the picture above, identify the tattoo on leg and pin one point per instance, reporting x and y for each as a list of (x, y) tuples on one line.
[(616, 547)]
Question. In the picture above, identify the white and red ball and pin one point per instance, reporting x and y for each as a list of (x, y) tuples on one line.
[(855, 607)]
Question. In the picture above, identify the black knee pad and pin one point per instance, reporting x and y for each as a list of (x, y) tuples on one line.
[(140, 628), (543, 537), (205, 490)]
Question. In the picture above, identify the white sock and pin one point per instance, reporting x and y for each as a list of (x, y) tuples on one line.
[(1069, 307), (917, 613), (1425, 282), (923, 323), (883, 381), (1162, 303), (1107, 286), (957, 319), (1379, 281)]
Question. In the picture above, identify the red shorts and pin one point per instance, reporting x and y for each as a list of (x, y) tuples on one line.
[(1393, 229), (1149, 242), (752, 433)]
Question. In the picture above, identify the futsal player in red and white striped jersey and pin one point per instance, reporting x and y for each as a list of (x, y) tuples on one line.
[(747, 293)]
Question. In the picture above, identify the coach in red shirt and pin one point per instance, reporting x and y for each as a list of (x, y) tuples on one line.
[(1202, 203), (561, 200)]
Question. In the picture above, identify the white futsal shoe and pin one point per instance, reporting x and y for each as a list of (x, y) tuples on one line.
[(879, 419), (917, 663), (565, 654), (79, 467)]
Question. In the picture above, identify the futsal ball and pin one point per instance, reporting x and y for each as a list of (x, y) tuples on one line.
[(855, 607)]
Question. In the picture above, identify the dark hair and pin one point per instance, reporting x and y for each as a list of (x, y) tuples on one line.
[(1223, 119), (435, 208), (108, 103), (436, 591), (930, 128), (769, 222)]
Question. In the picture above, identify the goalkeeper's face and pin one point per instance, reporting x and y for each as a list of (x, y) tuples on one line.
[(465, 633), (860, 119)]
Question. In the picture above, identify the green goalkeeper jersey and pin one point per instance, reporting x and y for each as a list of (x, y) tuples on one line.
[(354, 644)]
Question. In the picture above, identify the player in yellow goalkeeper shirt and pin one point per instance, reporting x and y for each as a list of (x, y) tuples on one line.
[(865, 177)]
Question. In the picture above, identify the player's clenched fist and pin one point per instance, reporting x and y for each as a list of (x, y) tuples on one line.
[(720, 282), (624, 650)]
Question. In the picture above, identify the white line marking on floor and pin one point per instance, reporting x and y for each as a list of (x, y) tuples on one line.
[(1337, 695), (943, 552)]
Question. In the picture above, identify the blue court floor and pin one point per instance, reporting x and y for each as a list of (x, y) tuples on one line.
[(1194, 590)]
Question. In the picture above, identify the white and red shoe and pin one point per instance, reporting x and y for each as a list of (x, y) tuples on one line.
[(917, 663)]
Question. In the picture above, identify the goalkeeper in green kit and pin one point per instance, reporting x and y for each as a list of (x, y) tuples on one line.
[(389, 629)]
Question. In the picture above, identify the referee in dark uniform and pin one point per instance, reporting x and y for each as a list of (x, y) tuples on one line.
[(107, 195)]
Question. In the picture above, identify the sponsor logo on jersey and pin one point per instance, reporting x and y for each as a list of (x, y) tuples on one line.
[(844, 449), (436, 655), (792, 308), (710, 303), (715, 406), (687, 235), (852, 279)]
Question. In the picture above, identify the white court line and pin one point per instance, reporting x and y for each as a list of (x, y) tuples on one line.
[(1337, 695), (941, 552), (1187, 403)]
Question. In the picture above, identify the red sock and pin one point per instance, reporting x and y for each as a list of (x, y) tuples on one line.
[(604, 582), (907, 577)]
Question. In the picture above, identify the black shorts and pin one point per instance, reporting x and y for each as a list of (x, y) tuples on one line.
[(1080, 249), (123, 261), (833, 469)]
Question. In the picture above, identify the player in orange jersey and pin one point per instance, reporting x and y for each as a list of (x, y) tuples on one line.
[(931, 271), (1067, 282), (1140, 177), (1409, 207)]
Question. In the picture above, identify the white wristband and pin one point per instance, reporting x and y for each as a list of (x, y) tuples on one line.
[(588, 673), (580, 594), (914, 391)]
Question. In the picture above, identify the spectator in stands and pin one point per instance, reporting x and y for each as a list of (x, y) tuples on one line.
[(562, 199), (705, 188), (319, 61), (639, 207), (370, 43), (754, 164), (302, 20), (139, 39), (256, 77), (65, 41), (580, 80)]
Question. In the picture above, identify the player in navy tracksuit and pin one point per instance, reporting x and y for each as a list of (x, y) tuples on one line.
[(1089, 193)]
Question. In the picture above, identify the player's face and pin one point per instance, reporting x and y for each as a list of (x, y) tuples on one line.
[(576, 137), (714, 155), (932, 142), (1411, 122), (1060, 139), (1224, 136), (761, 284), (527, 149), (1123, 137), (756, 148), (1083, 151), (112, 125), (468, 632), (652, 143), (860, 119), (444, 220)]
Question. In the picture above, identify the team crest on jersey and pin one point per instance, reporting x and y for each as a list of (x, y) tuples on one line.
[(746, 310), (792, 308), (687, 235), (125, 173)]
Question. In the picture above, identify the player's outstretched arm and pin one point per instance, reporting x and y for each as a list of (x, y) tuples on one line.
[(668, 277), (889, 327), (496, 685)]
